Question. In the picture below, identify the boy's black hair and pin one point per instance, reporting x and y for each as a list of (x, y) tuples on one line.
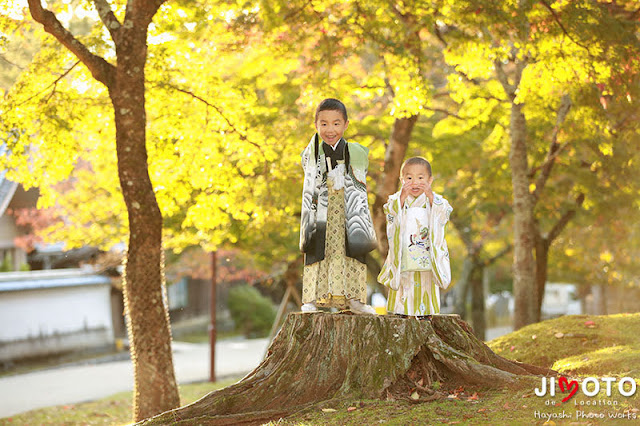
[(416, 160), (331, 104)]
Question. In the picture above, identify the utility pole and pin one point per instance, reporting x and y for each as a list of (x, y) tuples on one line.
[(212, 324)]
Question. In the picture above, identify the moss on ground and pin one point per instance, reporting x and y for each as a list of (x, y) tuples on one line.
[(578, 344)]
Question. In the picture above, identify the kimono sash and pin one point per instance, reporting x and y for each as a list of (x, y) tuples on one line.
[(360, 234)]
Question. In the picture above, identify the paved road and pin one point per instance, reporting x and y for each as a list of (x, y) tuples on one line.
[(80, 383)]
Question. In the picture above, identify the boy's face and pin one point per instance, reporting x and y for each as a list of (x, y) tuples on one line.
[(331, 126), (416, 178)]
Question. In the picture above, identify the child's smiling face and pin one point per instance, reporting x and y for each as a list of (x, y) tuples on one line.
[(416, 178), (331, 126)]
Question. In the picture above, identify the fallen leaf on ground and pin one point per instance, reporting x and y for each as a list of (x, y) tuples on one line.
[(473, 397), (559, 335), (482, 410), (329, 410), (452, 396), (415, 395), (351, 409), (590, 324)]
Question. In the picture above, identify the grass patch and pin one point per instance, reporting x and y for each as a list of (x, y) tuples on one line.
[(563, 341), (203, 336), (114, 410), (618, 361), (496, 407)]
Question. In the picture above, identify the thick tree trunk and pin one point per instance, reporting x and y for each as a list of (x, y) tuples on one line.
[(388, 183), (319, 357), (155, 387), (477, 303), (524, 285)]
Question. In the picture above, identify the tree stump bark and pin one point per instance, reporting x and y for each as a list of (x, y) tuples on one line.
[(320, 356)]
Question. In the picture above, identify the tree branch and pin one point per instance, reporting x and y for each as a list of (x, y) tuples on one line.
[(101, 70), (564, 30), (241, 134), (107, 17), (554, 147), (491, 260), (54, 84), (142, 11), (2, 57), (563, 221), (509, 88), (444, 111)]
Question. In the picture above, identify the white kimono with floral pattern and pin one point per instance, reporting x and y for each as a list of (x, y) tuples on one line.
[(416, 292)]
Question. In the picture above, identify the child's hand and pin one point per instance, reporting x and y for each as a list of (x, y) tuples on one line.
[(407, 187), (426, 188)]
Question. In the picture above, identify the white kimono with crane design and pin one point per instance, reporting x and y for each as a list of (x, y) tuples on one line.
[(417, 264)]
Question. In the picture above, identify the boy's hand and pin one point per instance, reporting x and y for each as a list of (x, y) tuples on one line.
[(406, 190), (426, 188), (422, 187)]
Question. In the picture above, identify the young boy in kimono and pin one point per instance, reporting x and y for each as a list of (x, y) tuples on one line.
[(336, 230), (417, 264)]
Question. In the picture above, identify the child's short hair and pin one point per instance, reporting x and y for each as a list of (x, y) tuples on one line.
[(331, 104), (416, 161)]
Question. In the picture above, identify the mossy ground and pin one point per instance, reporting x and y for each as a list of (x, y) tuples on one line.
[(578, 345), (588, 346)]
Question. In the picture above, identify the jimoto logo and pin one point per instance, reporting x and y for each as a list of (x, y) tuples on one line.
[(590, 386)]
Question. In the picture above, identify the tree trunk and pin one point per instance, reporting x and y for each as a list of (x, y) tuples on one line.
[(542, 261), (155, 387), (524, 285), (477, 303), (602, 300), (388, 183), (319, 357), (462, 286)]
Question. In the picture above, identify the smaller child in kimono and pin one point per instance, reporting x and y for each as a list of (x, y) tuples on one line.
[(417, 264)]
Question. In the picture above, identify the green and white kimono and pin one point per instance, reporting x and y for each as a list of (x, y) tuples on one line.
[(417, 265)]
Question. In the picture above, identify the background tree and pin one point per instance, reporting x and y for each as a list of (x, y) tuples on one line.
[(515, 44), (155, 387)]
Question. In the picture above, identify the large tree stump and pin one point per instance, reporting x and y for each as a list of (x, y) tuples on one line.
[(319, 356)]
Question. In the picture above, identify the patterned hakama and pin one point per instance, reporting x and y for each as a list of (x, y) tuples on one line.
[(337, 278)]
